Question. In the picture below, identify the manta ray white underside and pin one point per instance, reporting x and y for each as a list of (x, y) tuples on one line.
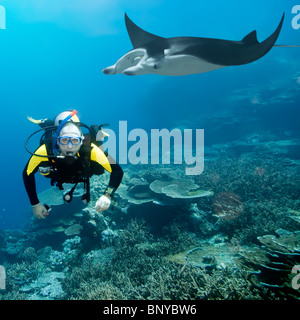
[(137, 62)]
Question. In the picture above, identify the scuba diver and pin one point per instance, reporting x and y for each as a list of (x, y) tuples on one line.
[(66, 155)]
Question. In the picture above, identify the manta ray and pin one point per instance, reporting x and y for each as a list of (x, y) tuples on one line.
[(152, 54)]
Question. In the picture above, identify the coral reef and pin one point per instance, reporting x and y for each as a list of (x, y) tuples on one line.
[(73, 230), (179, 189), (46, 287), (140, 270), (281, 254), (230, 233), (227, 206)]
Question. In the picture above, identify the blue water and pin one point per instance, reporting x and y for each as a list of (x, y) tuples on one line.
[(52, 53)]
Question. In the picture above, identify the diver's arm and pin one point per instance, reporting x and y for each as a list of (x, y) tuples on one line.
[(115, 177), (29, 171), (30, 186), (109, 164), (103, 203), (116, 174), (39, 210), (38, 158)]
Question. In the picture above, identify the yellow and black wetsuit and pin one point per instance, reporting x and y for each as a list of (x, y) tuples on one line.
[(61, 171)]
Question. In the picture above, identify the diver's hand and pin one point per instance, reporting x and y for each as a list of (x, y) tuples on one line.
[(103, 203), (40, 211)]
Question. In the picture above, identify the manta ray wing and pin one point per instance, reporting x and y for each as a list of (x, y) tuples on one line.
[(139, 37), (229, 53)]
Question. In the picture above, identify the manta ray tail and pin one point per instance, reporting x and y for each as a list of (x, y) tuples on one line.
[(270, 42), (252, 50), (287, 46)]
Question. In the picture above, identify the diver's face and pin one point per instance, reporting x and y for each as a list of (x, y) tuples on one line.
[(69, 140), (69, 145)]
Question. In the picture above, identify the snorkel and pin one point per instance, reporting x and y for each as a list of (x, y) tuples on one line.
[(63, 122)]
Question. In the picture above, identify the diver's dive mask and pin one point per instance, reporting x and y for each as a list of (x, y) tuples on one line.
[(65, 129), (70, 140), (64, 140)]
